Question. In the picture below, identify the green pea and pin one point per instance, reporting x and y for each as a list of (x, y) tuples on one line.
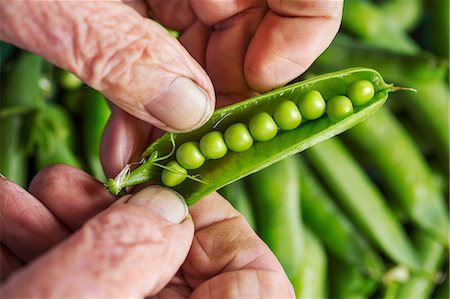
[(213, 145), (360, 92), (173, 178), (238, 138), (312, 105), (338, 108), (189, 155), (263, 127), (287, 116)]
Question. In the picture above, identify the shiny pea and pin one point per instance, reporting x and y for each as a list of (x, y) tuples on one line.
[(189, 155), (312, 105), (263, 127), (238, 138), (360, 92), (213, 146), (287, 116), (338, 108), (173, 178)]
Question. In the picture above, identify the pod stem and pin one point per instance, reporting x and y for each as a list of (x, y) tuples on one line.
[(399, 88)]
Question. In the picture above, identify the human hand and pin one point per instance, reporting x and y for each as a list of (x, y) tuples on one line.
[(63, 239), (245, 47)]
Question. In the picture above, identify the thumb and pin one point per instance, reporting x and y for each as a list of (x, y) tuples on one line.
[(132, 60), (132, 249)]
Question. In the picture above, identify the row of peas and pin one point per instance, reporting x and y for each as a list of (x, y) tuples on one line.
[(263, 127)]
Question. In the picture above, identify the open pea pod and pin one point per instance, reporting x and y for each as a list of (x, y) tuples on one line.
[(216, 173)]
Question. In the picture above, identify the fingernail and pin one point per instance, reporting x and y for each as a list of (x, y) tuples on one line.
[(184, 106), (166, 203)]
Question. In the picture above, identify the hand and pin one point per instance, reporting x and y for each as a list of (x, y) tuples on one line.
[(143, 245), (245, 47)]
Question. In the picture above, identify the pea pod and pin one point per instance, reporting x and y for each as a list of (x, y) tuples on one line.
[(367, 21), (348, 282), (432, 256), (54, 137), (237, 195), (20, 91), (216, 173), (439, 22), (405, 13), (334, 229), (362, 200), (313, 281), (403, 170), (275, 197), (443, 290), (94, 117)]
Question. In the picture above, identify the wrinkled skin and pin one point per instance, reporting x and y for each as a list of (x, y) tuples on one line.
[(62, 237)]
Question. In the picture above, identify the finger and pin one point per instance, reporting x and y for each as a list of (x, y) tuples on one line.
[(289, 39), (132, 60), (226, 51), (71, 194), (245, 284), (138, 5), (8, 261), (224, 242), (195, 39), (233, 23), (175, 14), (28, 227), (129, 250), (124, 139)]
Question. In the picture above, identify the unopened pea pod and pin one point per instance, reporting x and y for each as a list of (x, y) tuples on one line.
[(432, 254), (54, 137), (362, 200), (275, 197), (313, 281), (349, 282), (403, 170), (337, 233), (406, 14), (93, 120), (443, 289), (19, 92), (216, 173), (368, 22)]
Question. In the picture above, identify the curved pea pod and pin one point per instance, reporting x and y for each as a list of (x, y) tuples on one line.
[(337, 233), (275, 197), (20, 95), (313, 271), (432, 257), (362, 201), (237, 195), (94, 116), (214, 174), (403, 170)]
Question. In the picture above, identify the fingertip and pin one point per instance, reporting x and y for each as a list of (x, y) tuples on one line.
[(183, 106), (165, 202)]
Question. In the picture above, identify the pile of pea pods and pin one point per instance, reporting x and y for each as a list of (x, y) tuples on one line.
[(346, 180)]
